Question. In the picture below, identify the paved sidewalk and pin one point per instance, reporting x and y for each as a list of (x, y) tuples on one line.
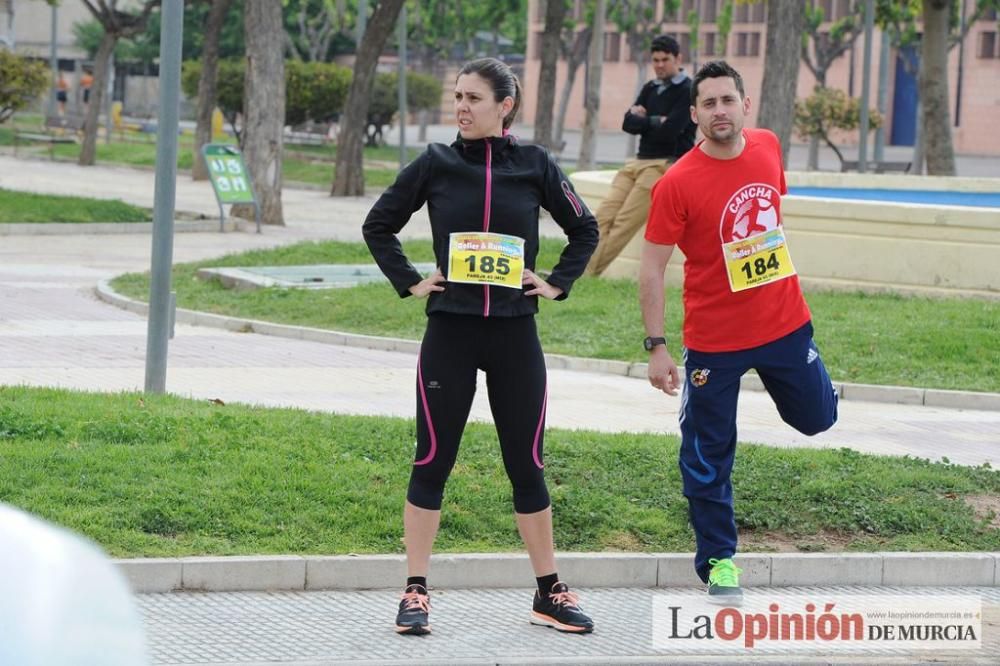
[(485, 627)]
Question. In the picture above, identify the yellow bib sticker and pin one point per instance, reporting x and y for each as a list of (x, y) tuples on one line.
[(758, 260), (482, 257)]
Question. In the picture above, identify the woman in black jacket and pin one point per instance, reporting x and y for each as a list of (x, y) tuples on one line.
[(483, 195)]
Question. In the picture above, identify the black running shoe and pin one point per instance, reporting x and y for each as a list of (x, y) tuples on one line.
[(413, 611), (559, 610)]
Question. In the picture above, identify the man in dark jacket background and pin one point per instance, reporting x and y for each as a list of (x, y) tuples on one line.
[(661, 117)]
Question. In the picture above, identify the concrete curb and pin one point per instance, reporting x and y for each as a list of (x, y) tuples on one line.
[(92, 228), (504, 570), (864, 392), (105, 228)]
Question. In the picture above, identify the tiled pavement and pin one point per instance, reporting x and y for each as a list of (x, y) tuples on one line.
[(479, 627)]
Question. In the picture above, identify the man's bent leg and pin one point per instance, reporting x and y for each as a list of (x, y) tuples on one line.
[(794, 375)]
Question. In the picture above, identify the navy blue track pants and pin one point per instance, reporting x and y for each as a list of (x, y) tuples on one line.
[(794, 376)]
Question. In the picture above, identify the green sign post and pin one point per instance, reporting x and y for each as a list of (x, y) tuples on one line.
[(230, 179)]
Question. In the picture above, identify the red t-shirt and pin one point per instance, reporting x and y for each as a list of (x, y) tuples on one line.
[(700, 204)]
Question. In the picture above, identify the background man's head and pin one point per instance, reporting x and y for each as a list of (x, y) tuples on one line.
[(666, 57), (718, 103)]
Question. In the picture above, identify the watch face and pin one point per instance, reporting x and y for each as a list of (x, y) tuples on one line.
[(650, 343)]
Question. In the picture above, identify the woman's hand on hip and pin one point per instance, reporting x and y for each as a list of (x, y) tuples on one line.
[(539, 286), (428, 284)]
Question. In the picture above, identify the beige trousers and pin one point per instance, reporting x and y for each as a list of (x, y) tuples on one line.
[(623, 212)]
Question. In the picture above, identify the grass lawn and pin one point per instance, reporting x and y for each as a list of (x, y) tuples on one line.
[(883, 339), (165, 476), (29, 207)]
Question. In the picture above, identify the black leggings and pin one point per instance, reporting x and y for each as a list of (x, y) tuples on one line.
[(508, 350)]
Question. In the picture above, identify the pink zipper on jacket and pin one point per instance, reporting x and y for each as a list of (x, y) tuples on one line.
[(486, 215)]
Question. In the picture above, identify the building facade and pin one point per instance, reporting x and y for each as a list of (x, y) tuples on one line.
[(973, 77)]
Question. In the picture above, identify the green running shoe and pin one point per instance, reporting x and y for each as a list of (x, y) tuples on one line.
[(724, 583)]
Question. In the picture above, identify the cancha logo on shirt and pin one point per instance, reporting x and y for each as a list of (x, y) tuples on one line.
[(752, 210)]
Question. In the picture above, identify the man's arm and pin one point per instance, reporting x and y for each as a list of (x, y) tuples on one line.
[(636, 121), (663, 373), (670, 126)]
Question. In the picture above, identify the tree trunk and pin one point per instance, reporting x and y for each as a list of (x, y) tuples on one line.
[(207, 85), (264, 105), (580, 49), (933, 83), (349, 177), (812, 163), (919, 152), (88, 151), (592, 105), (785, 22), (555, 14)]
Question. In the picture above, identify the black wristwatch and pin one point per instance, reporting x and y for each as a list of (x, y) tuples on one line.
[(650, 343)]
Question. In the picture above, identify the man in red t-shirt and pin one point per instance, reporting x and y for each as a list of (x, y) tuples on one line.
[(743, 308)]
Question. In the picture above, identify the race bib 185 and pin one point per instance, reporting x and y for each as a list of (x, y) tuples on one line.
[(486, 258)]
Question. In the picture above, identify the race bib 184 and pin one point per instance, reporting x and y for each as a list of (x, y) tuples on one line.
[(486, 258), (758, 260)]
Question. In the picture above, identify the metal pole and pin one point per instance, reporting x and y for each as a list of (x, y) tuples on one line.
[(865, 84), (158, 331), (108, 101), (53, 60), (961, 71), (883, 95), (402, 87)]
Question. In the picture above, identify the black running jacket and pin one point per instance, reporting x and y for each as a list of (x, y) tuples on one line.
[(495, 185)]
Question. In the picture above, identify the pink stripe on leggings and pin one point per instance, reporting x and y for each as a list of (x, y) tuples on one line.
[(538, 430), (427, 415)]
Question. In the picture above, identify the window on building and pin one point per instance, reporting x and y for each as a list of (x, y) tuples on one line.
[(842, 8), (827, 7), (685, 8), (748, 44), (579, 9), (987, 45), (708, 44), (685, 43), (989, 15), (636, 53), (612, 47), (709, 11), (749, 12)]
